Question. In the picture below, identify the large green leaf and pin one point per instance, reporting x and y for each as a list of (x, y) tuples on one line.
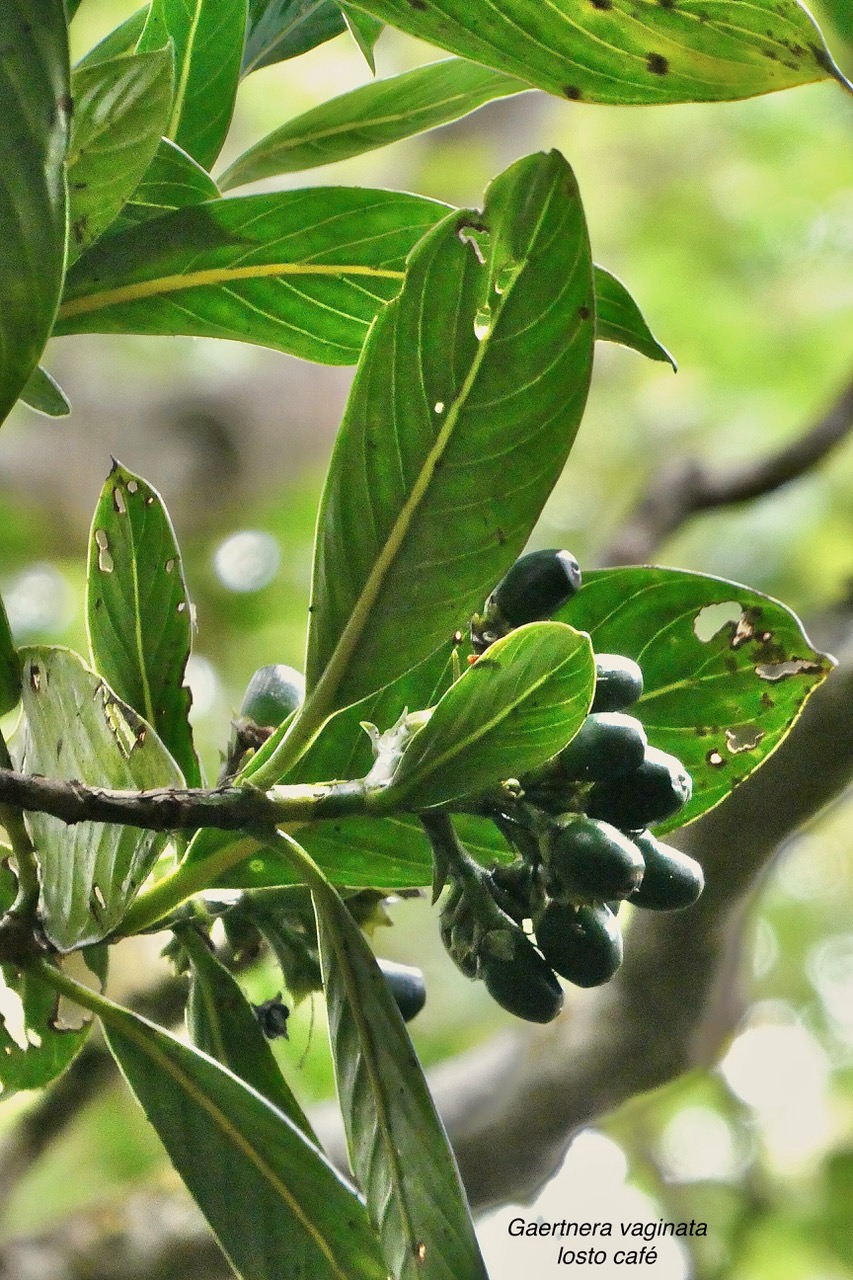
[(207, 37), (138, 611), (121, 108), (463, 411), (301, 271), (397, 1145), (76, 728), (276, 1205), (726, 669), (628, 51), (44, 394), (282, 29), (36, 1044), (372, 116), (35, 93), (514, 709), (223, 1025), (173, 179)]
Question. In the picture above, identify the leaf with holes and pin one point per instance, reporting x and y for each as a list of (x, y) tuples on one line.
[(121, 108), (207, 37), (398, 1148), (282, 29), (628, 51), (44, 394), (372, 116), (77, 728), (222, 1024), (37, 1040), (173, 179), (461, 417), (275, 1204), (35, 93), (619, 319), (301, 271), (726, 670), (520, 704), (138, 611)]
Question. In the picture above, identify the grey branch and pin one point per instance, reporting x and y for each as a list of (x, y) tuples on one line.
[(179, 809), (683, 490)]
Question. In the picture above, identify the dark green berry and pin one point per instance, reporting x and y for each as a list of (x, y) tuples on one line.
[(536, 586), (607, 745), (618, 682), (589, 859), (407, 986), (657, 790), (272, 694), (583, 944), (672, 880), (523, 984)]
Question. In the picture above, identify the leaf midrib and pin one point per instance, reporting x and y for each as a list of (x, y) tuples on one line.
[(213, 276)]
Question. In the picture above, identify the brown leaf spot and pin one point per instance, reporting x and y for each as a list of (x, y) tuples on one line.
[(572, 92), (657, 64)]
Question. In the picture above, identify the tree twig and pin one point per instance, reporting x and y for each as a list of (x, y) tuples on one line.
[(683, 490)]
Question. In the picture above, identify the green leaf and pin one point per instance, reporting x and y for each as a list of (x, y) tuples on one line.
[(121, 108), (76, 727), (138, 612), (619, 319), (519, 705), (34, 91), (370, 117), (301, 271), (223, 1025), (122, 39), (36, 1042), (282, 29), (44, 394), (397, 1145), (463, 411), (172, 180), (207, 36), (364, 30), (726, 669), (629, 51), (10, 666), (275, 1204)]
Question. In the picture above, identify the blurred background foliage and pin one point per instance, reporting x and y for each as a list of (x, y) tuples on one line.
[(733, 227)]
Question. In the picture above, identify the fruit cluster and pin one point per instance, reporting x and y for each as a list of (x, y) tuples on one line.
[(579, 826)]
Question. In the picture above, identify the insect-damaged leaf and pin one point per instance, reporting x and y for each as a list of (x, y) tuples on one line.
[(77, 728), (138, 610), (462, 414), (36, 1043), (628, 51), (726, 670)]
